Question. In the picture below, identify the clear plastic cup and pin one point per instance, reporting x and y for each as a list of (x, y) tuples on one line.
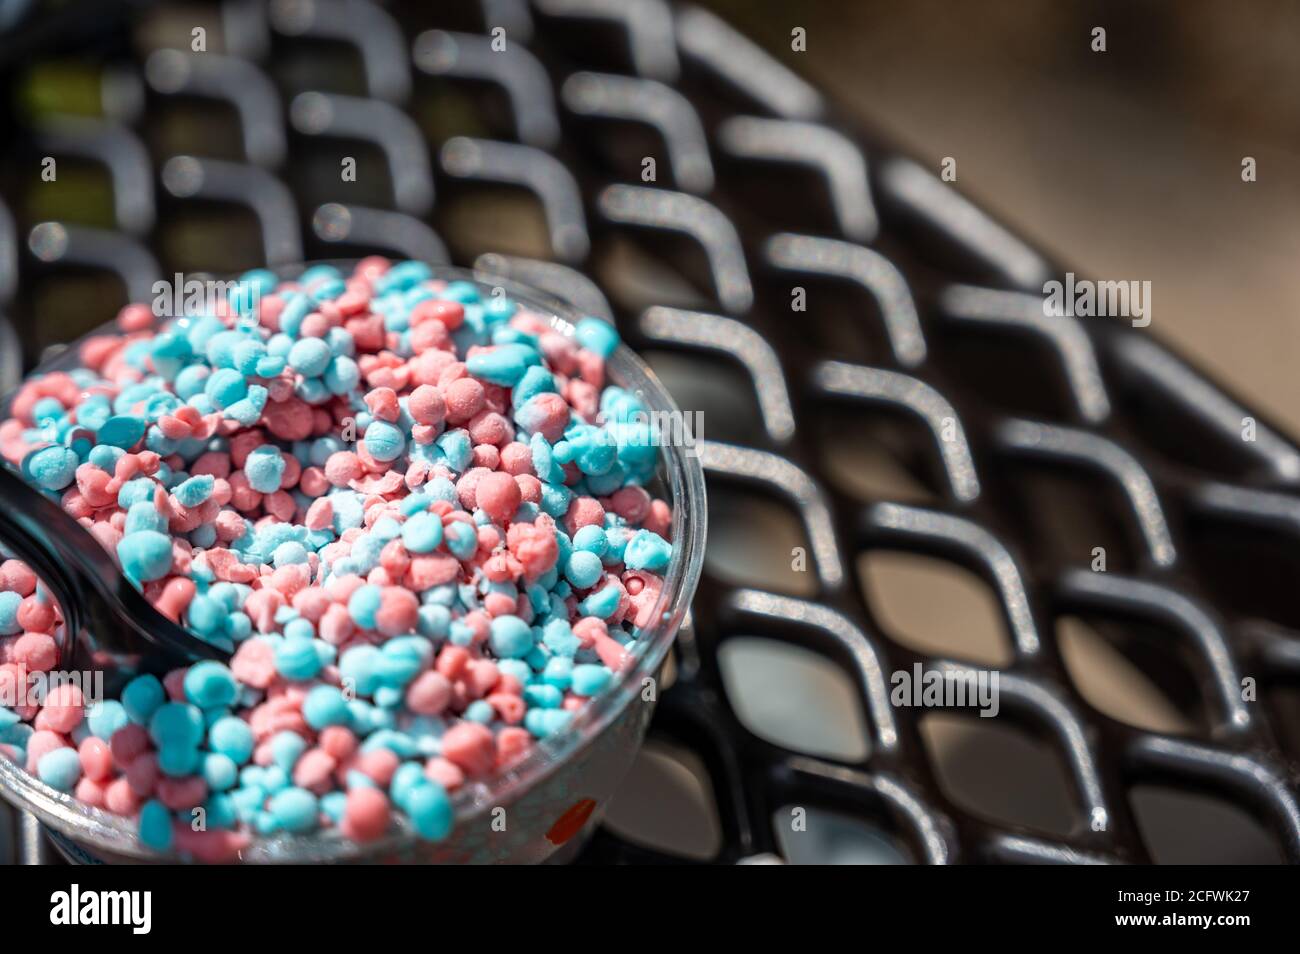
[(540, 808)]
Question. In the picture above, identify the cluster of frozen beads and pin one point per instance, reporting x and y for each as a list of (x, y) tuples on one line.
[(417, 512)]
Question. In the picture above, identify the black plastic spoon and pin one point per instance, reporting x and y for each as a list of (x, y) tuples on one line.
[(108, 623)]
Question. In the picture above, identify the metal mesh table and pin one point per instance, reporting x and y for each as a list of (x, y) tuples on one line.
[(518, 139)]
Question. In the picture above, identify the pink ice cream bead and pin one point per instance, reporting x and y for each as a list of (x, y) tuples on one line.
[(365, 815), (471, 747), (63, 710), (37, 651), (429, 693), (498, 495)]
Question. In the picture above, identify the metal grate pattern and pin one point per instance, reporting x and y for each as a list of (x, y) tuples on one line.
[(923, 311)]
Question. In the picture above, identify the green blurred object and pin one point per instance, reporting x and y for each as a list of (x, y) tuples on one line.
[(61, 87), (81, 194)]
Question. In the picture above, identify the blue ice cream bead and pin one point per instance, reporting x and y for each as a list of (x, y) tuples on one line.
[(246, 355), (156, 826), (177, 761), (601, 603), (286, 748), (191, 381), (232, 737), (177, 724), (221, 810), (434, 621), (60, 769), (146, 555), (141, 698), (325, 706), (209, 684), (406, 779), (430, 811), (143, 515), (297, 659), (53, 468), (597, 336), (558, 672), (462, 541), (481, 711), (422, 533), (543, 695), (223, 388), (289, 552), (592, 539), (544, 722), (590, 679), (648, 551), (383, 441), (558, 637), (220, 771), (106, 717), (295, 810), (583, 569), (504, 364), (275, 778), (9, 603), (334, 804), (510, 637), (357, 667), (310, 357), (122, 430), (342, 375), (363, 604), (205, 615), (264, 468)]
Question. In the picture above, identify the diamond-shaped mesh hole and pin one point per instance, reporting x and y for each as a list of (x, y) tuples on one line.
[(670, 252), (1010, 372), (69, 303), (635, 280), (1250, 568), (717, 389), (320, 161), (1170, 430), (625, 145), (443, 110), (934, 607), (755, 541), (666, 802), (794, 697), (873, 457), (80, 192), (1113, 684), (315, 63), (202, 127), (829, 838), (804, 206), (236, 248), (494, 219), (841, 319), (989, 768), (1066, 514), (1190, 828), (1168, 660)]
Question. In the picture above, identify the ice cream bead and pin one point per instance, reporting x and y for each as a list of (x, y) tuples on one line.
[(419, 512)]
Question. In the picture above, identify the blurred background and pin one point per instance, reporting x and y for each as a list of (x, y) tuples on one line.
[(1124, 165)]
